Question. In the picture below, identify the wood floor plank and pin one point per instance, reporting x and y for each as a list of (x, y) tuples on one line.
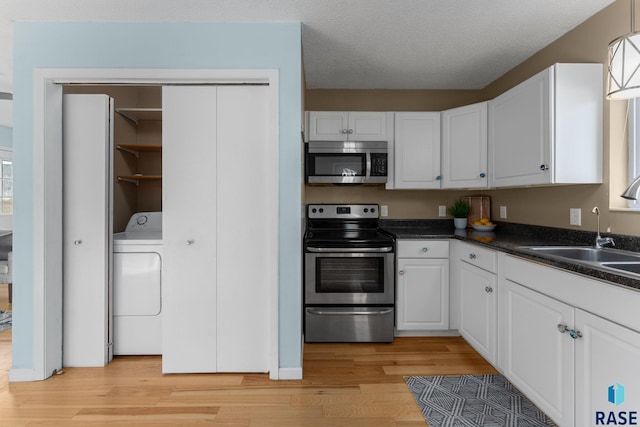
[(353, 385)]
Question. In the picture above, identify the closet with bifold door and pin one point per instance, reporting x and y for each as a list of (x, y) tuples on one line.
[(218, 197)]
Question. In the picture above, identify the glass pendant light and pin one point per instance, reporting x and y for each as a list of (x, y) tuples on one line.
[(624, 64)]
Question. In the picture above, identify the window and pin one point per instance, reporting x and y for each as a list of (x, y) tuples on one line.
[(6, 185)]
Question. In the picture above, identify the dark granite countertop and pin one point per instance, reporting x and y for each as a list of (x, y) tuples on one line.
[(508, 237)]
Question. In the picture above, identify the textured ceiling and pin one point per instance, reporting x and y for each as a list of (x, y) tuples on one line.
[(355, 44)]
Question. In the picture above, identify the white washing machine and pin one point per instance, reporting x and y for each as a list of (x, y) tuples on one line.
[(137, 286)]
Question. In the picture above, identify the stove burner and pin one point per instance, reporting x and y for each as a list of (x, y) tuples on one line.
[(345, 226)]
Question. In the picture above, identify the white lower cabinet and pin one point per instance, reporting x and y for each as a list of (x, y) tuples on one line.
[(607, 362), (478, 295), (557, 347), (422, 300), (538, 359)]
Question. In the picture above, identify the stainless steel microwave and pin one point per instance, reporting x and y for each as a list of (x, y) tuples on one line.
[(346, 162)]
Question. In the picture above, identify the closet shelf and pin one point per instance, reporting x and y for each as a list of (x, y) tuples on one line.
[(135, 179), (137, 114), (136, 149)]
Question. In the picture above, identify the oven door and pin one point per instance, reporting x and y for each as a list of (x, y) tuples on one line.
[(341, 278)]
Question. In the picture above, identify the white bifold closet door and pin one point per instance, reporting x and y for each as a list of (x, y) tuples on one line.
[(216, 263), (86, 143)]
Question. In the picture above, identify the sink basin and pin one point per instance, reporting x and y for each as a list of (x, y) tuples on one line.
[(622, 262), (585, 253), (631, 267)]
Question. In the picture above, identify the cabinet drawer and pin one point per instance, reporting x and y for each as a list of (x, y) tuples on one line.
[(480, 257), (423, 249)]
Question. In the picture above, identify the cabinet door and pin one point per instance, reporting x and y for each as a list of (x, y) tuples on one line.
[(367, 126), (417, 150), (189, 190), (478, 309), (536, 357), (87, 142), (464, 147), (423, 294), (328, 126), (607, 368), (520, 134)]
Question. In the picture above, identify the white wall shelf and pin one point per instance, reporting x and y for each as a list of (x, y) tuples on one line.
[(137, 114)]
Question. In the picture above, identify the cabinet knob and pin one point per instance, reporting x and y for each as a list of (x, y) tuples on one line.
[(572, 332), (401, 272), (472, 256), (350, 131), (344, 131), (190, 242), (544, 167), (425, 250), (438, 178), (575, 334), (488, 289), (77, 242), (482, 175)]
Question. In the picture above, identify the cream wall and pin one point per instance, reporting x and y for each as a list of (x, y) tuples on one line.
[(547, 206)]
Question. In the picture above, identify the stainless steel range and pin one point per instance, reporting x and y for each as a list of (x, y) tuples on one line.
[(348, 275)]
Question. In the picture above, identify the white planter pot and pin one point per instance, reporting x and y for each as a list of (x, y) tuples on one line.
[(460, 222)]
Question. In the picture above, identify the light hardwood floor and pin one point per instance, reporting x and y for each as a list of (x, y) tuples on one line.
[(344, 385)]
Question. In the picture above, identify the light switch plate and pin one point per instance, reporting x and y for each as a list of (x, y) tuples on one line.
[(575, 216), (442, 210), (384, 210), (503, 212)]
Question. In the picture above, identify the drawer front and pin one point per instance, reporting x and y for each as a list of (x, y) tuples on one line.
[(480, 257), (423, 249)]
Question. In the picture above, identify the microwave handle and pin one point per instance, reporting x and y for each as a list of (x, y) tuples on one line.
[(368, 173)]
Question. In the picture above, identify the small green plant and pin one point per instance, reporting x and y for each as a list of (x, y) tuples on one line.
[(459, 209)]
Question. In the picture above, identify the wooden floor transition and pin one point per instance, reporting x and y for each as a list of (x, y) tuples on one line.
[(344, 385)]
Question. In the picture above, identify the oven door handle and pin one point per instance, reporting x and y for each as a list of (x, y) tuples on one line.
[(350, 250), (380, 312)]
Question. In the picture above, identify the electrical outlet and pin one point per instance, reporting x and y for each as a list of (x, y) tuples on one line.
[(442, 210), (503, 212), (575, 216), (384, 210)]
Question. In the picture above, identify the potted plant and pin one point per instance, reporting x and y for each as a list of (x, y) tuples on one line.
[(459, 210)]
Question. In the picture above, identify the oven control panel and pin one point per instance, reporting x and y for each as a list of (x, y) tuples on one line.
[(342, 211)]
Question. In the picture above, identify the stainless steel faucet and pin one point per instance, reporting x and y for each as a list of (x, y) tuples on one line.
[(600, 241)]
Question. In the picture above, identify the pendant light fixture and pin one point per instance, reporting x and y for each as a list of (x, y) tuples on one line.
[(624, 64)]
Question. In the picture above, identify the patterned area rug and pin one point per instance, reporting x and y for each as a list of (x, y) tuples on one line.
[(5, 320), (474, 401)]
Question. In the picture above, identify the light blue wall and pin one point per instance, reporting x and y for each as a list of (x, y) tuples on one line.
[(160, 45), (6, 136)]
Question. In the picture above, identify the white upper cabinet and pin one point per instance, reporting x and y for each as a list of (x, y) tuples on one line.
[(417, 150), (548, 129), (347, 126), (464, 147)]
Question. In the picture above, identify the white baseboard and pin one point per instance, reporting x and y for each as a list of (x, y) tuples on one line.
[(22, 375), (419, 333), (290, 374)]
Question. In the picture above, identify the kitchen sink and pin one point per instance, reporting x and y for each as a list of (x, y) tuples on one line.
[(585, 253), (622, 262), (631, 267)]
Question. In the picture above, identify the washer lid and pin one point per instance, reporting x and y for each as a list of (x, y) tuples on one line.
[(145, 221)]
